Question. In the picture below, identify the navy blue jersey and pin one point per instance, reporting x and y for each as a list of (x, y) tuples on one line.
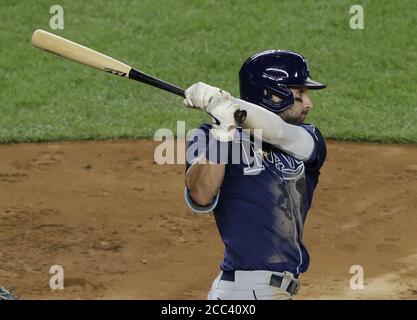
[(261, 215)]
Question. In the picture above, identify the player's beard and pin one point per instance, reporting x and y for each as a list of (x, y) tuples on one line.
[(302, 117), (292, 117)]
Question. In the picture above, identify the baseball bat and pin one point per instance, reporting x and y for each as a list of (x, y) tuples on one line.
[(73, 51)]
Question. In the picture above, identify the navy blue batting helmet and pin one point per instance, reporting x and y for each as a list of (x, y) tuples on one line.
[(272, 72)]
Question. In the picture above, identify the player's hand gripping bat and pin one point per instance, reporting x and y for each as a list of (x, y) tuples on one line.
[(76, 52)]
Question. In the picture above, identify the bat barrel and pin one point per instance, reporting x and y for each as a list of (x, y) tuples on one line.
[(73, 51), (68, 49)]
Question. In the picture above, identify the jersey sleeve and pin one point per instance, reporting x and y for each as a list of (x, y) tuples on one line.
[(200, 144), (196, 146), (196, 207), (317, 158)]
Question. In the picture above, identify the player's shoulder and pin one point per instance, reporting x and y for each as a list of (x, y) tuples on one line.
[(311, 128), (199, 135), (320, 151), (203, 128), (314, 131)]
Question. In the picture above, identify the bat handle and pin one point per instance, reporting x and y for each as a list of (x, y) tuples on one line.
[(240, 115)]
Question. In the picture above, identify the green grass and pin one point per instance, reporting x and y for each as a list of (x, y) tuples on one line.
[(371, 73)]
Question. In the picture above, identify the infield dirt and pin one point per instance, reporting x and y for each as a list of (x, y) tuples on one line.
[(117, 223)]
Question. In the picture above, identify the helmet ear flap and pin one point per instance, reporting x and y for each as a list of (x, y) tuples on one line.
[(281, 91)]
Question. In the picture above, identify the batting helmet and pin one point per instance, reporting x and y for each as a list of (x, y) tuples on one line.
[(271, 72)]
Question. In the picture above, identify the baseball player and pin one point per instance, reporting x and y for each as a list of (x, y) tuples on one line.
[(259, 203)]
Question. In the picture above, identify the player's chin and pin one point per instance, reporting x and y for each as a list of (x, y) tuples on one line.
[(302, 117)]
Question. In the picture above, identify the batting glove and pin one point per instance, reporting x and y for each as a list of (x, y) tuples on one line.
[(219, 104), (199, 95), (222, 110)]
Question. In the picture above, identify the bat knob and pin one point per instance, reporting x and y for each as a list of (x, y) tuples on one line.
[(240, 116)]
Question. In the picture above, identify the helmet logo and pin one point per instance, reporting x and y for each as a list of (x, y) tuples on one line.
[(278, 71), (275, 74)]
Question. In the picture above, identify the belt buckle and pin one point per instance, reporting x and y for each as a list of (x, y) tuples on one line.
[(297, 287), (290, 279)]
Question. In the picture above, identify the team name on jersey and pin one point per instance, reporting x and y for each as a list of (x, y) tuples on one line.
[(256, 160)]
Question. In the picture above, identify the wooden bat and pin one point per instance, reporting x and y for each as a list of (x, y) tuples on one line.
[(73, 51)]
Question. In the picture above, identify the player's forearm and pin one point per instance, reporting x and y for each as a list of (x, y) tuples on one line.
[(203, 181), (290, 138)]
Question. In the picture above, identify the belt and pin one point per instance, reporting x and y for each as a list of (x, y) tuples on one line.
[(275, 281)]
